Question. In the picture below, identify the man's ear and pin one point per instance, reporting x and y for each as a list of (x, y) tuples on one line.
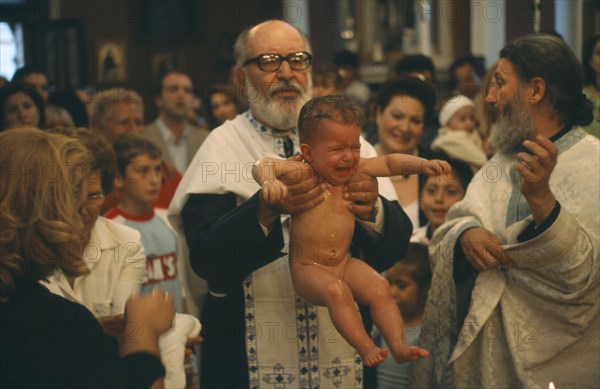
[(118, 182), (536, 91), (239, 77), (306, 152), (158, 102)]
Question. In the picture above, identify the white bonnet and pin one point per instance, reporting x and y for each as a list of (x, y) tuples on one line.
[(452, 106)]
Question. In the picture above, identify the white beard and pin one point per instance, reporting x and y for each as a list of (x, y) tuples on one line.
[(275, 112), (510, 130)]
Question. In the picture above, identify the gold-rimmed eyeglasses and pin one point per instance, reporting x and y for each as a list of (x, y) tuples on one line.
[(271, 62)]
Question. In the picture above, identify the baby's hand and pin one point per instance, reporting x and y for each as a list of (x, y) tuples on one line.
[(436, 167), (274, 191)]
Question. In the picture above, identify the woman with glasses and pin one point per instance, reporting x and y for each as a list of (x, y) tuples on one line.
[(114, 253)]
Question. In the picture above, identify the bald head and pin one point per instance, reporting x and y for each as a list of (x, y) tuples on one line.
[(275, 94), (276, 29)]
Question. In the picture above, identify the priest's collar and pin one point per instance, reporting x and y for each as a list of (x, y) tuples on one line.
[(262, 129)]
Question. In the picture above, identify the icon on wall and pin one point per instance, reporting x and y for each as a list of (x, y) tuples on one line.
[(112, 61)]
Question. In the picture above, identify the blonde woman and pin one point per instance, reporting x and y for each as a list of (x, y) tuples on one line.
[(46, 340)]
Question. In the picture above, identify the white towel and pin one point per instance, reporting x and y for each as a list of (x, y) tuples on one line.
[(172, 348)]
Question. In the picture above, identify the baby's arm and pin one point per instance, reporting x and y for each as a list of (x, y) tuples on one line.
[(402, 164), (266, 172)]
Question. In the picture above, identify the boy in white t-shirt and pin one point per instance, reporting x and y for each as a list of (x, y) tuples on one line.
[(138, 182)]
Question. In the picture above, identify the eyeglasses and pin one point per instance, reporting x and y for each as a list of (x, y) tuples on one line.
[(95, 196), (271, 62)]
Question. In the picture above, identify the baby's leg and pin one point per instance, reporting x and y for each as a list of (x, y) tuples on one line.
[(371, 289), (316, 285)]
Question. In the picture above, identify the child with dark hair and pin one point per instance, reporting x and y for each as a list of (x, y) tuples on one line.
[(138, 184), (139, 175), (438, 194), (409, 282)]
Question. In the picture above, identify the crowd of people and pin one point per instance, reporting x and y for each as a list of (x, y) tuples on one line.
[(466, 220)]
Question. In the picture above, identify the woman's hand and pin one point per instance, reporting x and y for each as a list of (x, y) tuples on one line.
[(153, 311)]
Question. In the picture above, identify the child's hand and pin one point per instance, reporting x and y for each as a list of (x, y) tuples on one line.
[(436, 167), (273, 191)]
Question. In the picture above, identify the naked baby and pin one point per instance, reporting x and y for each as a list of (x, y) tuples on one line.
[(322, 270)]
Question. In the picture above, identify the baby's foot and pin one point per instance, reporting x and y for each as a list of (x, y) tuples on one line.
[(405, 353), (373, 355)]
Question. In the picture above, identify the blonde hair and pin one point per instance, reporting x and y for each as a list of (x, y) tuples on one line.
[(58, 116), (41, 186), (104, 100)]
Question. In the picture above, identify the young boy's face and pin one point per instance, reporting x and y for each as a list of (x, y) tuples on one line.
[(334, 151), (143, 179), (438, 195), (406, 292), (463, 120)]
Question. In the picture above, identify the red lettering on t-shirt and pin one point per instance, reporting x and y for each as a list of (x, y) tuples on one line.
[(161, 268)]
